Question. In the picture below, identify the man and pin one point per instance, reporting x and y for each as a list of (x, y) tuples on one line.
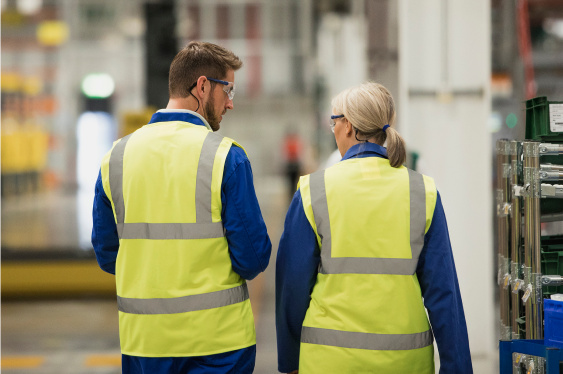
[(177, 221)]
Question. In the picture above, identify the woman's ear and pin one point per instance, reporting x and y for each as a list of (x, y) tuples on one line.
[(349, 129)]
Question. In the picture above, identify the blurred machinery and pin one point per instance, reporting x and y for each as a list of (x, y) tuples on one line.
[(25, 141), (32, 37), (530, 242)]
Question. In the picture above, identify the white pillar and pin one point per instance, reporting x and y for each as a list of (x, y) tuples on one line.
[(444, 75)]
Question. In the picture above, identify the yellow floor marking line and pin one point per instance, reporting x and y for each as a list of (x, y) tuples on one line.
[(22, 362), (103, 360)]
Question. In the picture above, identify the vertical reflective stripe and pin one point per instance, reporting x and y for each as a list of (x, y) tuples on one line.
[(320, 212), (418, 212), (204, 177), (116, 179), (364, 340), (369, 265)]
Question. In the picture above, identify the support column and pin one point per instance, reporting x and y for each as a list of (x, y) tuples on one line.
[(444, 96)]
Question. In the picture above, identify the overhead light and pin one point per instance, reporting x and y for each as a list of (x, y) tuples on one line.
[(29, 7), (98, 86), (554, 26)]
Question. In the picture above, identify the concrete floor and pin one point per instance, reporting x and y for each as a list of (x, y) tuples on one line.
[(80, 334)]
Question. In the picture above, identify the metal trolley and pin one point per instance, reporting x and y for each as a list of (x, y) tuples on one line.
[(522, 183)]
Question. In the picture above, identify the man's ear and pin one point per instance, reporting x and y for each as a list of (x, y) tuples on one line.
[(202, 87)]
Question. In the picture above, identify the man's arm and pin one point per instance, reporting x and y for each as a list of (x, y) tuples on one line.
[(296, 272), (440, 290), (249, 243), (104, 230)]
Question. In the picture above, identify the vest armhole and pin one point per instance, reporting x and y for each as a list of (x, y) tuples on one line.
[(305, 191), (431, 197), (238, 145), (218, 175), (104, 171)]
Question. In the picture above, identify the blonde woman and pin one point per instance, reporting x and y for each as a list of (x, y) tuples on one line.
[(364, 254)]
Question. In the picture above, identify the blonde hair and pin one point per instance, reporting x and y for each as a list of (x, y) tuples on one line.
[(369, 107)]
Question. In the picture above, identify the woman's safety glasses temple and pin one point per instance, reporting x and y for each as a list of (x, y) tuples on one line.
[(332, 118), (229, 89)]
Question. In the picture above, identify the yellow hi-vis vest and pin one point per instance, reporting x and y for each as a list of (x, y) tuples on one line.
[(177, 293), (366, 313)]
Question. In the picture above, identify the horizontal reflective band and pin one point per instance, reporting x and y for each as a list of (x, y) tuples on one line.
[(369, 265), (184, 304), (163, 231), (363, 340)]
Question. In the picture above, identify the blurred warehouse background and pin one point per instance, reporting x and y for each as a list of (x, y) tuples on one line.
[(76, 75)]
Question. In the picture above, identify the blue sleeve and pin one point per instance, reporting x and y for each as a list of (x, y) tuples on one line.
[(440, 290), (104, 230), (249, 243), (296, 272)]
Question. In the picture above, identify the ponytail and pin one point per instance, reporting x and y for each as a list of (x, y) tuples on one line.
[(396, 151)]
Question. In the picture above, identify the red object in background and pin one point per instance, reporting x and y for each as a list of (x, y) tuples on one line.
[(223, 21), (292, 148), (525, 47), (253, 35)]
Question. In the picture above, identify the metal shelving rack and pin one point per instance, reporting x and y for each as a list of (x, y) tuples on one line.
[(520, 189)]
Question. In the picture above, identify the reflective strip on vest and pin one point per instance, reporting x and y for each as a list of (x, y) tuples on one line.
[(362, 340), (369, 265), (184, 304), (162, 231), (204, 176), (116, 179), (204, 228)]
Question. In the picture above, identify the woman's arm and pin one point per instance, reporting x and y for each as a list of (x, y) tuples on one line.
[(440, 290), (296, 272)]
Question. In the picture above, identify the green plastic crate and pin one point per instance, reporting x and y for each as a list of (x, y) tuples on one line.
[(544, 120), (551, 243), (551, 264)]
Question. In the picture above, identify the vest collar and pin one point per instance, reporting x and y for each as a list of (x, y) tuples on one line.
[(183, 115), (365, 149)]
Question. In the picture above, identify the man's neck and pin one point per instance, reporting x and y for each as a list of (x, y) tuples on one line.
[(183, 103)]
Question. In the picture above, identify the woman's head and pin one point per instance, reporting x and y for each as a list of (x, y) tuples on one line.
[(368, 108)]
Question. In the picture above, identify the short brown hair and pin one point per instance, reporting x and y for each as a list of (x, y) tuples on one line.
[(197, 59)]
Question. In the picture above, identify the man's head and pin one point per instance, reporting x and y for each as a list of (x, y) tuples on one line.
[(195, 72)]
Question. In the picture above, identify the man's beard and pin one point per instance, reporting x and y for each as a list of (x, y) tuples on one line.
[(210, 116)]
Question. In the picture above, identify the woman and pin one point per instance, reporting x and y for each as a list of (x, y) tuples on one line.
[(364, 251)]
